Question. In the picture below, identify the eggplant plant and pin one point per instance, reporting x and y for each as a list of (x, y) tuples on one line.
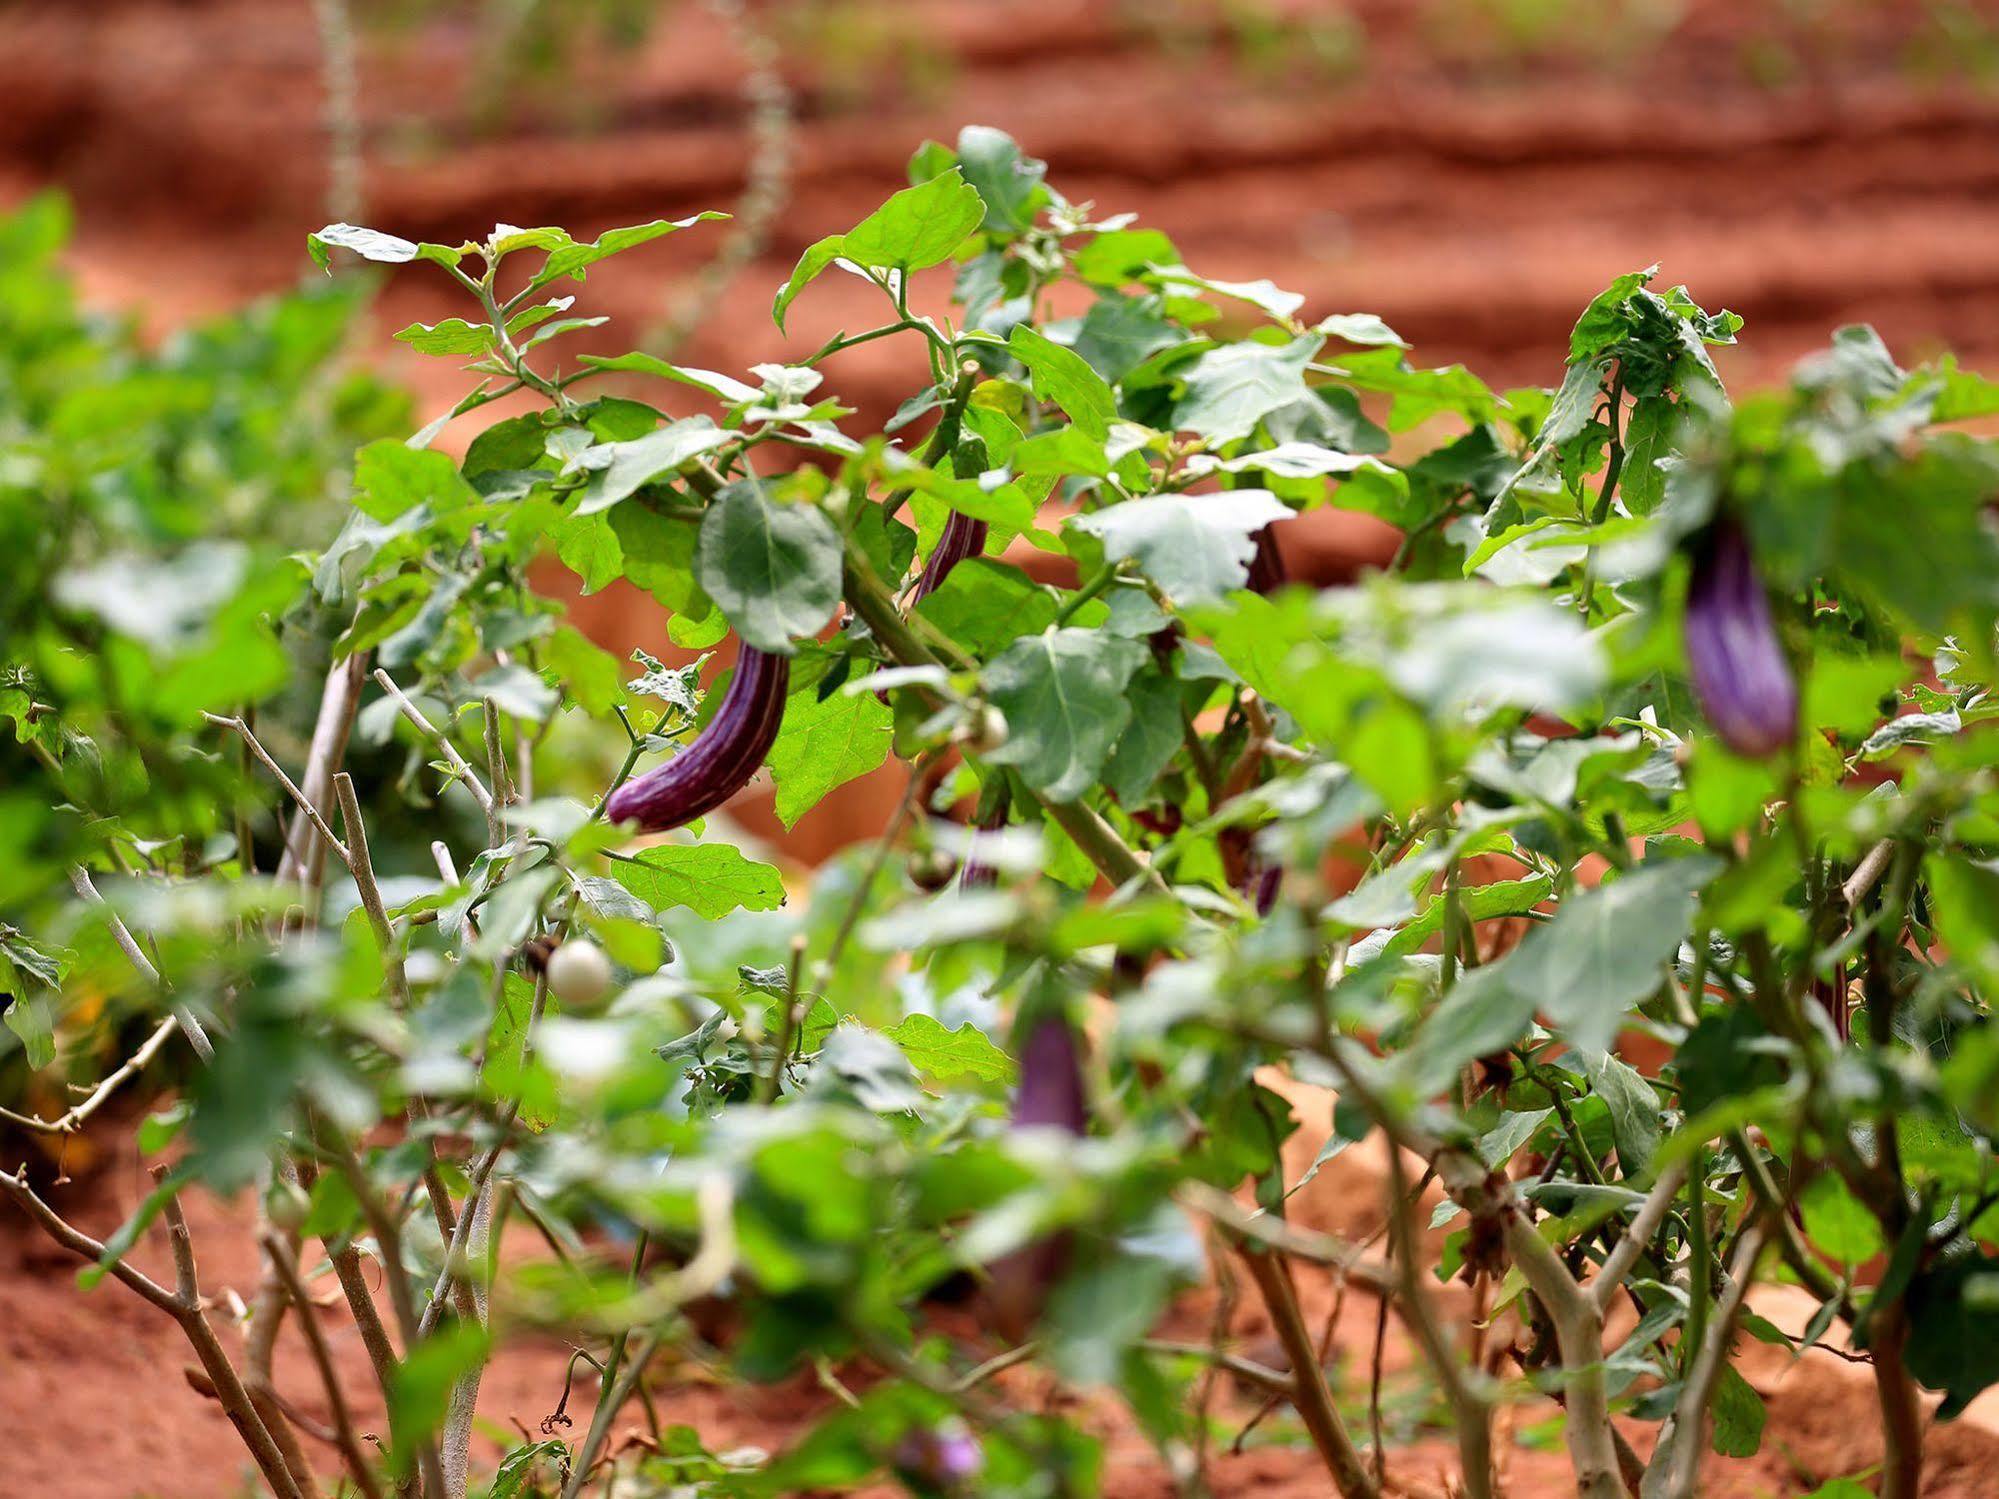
[(1620, 855)]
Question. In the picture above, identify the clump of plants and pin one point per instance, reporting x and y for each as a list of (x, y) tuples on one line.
[(1621, 853)]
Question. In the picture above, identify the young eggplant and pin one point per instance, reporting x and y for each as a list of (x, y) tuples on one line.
[(1739, 669), (723, 756)]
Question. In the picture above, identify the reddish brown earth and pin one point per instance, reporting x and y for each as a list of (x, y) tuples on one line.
[(1473, 200)]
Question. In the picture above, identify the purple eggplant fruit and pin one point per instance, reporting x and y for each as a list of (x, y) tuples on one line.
[(1267, 573), (1739, 669), (723, 756), (962, 537), (1050, 1096)]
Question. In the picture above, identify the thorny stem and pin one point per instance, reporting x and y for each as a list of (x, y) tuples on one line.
[(279, 1253)]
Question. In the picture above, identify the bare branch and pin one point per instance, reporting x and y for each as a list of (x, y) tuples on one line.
[(1309, 1392), (1364, 1270), (278, 773), (130, 1068), (1469, 1406), (371, 893), (84, 1247), (79, 878), (304, 857), (279, 1253)]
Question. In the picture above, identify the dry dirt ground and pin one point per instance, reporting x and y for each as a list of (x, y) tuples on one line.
[(1476, 207)]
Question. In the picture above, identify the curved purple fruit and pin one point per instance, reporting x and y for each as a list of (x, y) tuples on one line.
[(1740, 672), (1267, 573), (1050, 1096), (962, 537), (723, 756)]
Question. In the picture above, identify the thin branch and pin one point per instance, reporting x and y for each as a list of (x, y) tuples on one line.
[(304, 857), (279, 1254), (1309, 1392), (607, 1409), (363, 869), (1469, 1406), (84, 1247), (1638, 1236), (1682, 1447), (79, 878), (1364, 1270), (445, 747), (277, 771), (1867, 873), (130, 1068)]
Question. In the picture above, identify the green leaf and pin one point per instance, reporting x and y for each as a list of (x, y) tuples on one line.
[(824, 743), (724, 388), (592, 674), (710, 879), (420, 1386), (965, 1052), (622, 467), (575, 259), (1065, 377), (1063, 694), (1838, 1222), (1634, 1109), (1738, 1415), (452, 336), (1008, 182), (774, 569), (1607, 948), (31, 1020), (1229, 390), (984, 603), (391, 477), (1196, 547), (919, 227)]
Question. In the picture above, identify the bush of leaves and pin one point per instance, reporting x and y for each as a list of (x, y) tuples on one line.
[(1622, 853)]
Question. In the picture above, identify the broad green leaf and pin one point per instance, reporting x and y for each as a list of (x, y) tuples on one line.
[(1607, 948), (774, 569), (724, 388), (1065, 377), (620, 468), (823, 743), (31, 1020), (1063, 694), (576, 259), (391, 478), (1634, 1109), (917, 228), (984, 603), (452, 336), (1008, 182), (710, 879), (1196, 547), (1230, 390), (965, 1052)]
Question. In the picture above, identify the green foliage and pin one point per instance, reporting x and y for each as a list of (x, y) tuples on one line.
[(1450, 839)]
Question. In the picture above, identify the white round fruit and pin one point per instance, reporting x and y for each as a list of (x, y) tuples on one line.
[(579, 975)]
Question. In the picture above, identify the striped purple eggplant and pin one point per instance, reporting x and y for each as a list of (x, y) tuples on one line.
[(962, 537), (723, 756), (1740, 672)]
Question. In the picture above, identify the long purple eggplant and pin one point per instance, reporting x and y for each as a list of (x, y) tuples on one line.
[(1739, 669), (1267, 573), (723, 756), (1050, 1095)]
